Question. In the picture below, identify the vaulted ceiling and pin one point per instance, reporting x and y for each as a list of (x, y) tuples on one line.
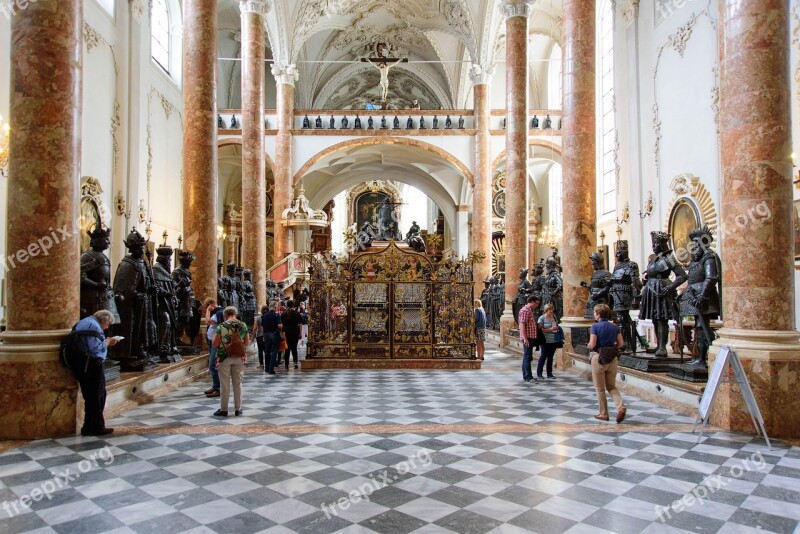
[(442, 39)]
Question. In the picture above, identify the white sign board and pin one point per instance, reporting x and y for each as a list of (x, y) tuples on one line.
[(727, 357)]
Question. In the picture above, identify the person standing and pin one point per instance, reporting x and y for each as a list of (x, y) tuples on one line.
[(480, 329), (605, 340), (230, 340), (272, 325), (291, 327), (258, 332), (528, 335), (303, 322), (213, 318), (89, 350), (549, 325)]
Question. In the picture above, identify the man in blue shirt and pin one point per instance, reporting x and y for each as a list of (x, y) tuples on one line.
[(372, 105), (91, 346)]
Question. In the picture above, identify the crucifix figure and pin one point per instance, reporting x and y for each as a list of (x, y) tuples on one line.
[(383, 64)]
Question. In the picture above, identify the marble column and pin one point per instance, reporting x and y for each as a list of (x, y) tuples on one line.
[(254, 186), (200, 142), (579, 210), (285, 76), (43, 230), (756, 215), (481, 235), (516, 241)]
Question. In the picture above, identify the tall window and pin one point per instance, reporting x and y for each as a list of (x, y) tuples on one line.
[(554, 79), (608, 132), (159, 32), (554, 188)]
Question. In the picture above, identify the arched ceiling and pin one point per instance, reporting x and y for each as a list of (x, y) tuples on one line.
[(442, 39)]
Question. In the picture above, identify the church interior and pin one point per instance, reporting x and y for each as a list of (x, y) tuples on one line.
[(414, 173)]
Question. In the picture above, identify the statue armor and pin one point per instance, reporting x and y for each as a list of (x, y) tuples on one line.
[(598, 286), (230, 286), (188, 322), (524, 290), (553, 288), (248, 311), (166, 306), (623, 294), (96, 290)]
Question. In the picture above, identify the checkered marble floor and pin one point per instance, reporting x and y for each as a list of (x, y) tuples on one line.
[(172, 468)]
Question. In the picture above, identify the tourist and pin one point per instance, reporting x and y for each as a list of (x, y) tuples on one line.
[(89, 349), (272, 325), (372, 105), (549, 325), (214, 316), (480, 328), (529, 337), (231, 340), (258, 332), (605, 340), (291, 328), (303, 322)]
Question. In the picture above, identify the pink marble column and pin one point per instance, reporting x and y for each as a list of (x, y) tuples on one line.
[(200, 142), (481, 233), (578, 136), (285, 76), (254, 186), (516, 148), (757, 228), (43, 233)]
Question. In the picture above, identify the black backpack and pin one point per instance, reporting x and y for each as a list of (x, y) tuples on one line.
[(70, 356)]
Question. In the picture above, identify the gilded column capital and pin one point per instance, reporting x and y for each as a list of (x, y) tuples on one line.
[(259, 7), (517, 8), (285, 73), (481, 74)]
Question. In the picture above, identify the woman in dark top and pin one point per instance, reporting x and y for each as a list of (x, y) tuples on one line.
[(291, 327), (605, 334)]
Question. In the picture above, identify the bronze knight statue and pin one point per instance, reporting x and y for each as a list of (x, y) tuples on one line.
[(702, 297), (659, 302), (553, 287), (599, 285), (166, 306), (624, 294), (248, 309), (524, 290), (96, 291), (188, 306), (230, 286), (134, 283)]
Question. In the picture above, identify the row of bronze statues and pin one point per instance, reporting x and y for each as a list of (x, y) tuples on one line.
[(656, 294), (384, 125), (387, 230), (154, 306)]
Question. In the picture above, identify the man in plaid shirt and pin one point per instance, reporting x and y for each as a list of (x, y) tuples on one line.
[(527, 333)]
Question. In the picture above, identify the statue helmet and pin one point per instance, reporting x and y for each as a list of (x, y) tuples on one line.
[(659, 237), (622, 245), (189, 255), (597, 257), (99, 232), (704, 233), (163, 251), (135, 240)]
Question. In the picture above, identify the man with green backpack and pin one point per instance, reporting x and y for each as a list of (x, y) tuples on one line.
[(231, 340)]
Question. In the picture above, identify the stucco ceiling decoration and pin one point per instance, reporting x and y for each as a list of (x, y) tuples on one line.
[(403, 86)]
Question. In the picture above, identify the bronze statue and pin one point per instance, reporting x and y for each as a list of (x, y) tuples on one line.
[(387, 226), (396, 122), (524, 290), (318, 125), (435, 122), (548, 122), (357, 123), (96, 291), (624, 294), (553, 287), (599, 285), (134, 283), (222, 295), (367, 234), (306, 122), (413, 238), (166, 309), (498, 301), (230, 285), (422, 122), (701, 297), (188, 322), (534, 122), (487, 284), (220, 122), (248, 311), (345, 122), (370, 123), (234, 123), (659, 302), (410, 123), (448, 123), (460, 122), (384, 125), (239, 275), (331, 125)]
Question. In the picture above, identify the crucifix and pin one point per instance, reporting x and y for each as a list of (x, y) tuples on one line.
[(383, 63)]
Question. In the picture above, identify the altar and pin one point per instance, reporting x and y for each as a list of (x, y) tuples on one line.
[(391, 308)]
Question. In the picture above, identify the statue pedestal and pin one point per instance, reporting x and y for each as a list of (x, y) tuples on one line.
[(111, 370), (648, 363), (690, 373)]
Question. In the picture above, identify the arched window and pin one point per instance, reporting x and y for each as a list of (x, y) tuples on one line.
[(608, 125), (159, 32), (554, 78)]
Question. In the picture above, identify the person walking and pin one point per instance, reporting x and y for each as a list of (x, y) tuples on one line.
[(291, 327), (214, 316), (605, 340), (87, 355), (258, 332), (231, 340), (549, 325), (272, 325), (480, 329), (529, 337)]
